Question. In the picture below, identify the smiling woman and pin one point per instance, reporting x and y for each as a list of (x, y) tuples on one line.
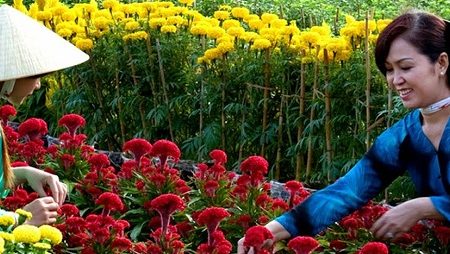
[(28, 51)]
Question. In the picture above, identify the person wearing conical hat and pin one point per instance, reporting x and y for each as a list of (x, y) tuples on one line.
[(28, 51)]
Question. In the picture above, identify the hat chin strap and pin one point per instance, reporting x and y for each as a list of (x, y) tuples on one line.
[(7, 88)]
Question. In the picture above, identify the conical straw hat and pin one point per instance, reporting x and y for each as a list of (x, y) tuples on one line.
[(28, 48)]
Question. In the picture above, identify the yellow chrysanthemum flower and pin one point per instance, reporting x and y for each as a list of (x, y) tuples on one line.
[(230, 23), (2, 245), (24, 213), (235, 31), (199, 30), (212, 54), (132, 26), (203, 60), (175, 20), (268, 17), (225, 47), (84, 44), (136, 36), (7, 236), (118, 15), (310, 38), (278, 23), (187, 2), (221, 15), (271, 34), (157, 22), (240, 12), (44, 15), (324, 29), (249, 36), (51, 233), (256, 24), (382, 23), (251, 17), (27, 234), (225, 7), (110, 4), (42, 246), (261, 44), (7, 220), (215, 32), (168, 29), (102, 23), (69, 15)]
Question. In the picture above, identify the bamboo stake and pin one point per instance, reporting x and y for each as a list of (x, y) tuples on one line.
[(130, 62), (329, 149), (368, 82), (150, 63), (266, 95), (301, 112), (163, 84), (312, 115), (119, 106), (202, 88), (280, 138)]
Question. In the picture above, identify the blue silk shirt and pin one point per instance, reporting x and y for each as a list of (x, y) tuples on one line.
[(403, 147)]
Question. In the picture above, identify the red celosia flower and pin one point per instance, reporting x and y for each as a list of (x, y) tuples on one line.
[(34, 128), (72, 122), (211, 218), (337, 245), (254, 164), (6, 111), (165, 149), (210, 188), (68, 210), (293, 186), (110, 201), (121, 243), (442, 234), (374, 248), (280, 204), (138, 147), (219, 156), (256, 236), (244, 221), (140, 248), (99, 161), (19, 164), (166, 205), (351, 224), (68, 160), (303, 244)]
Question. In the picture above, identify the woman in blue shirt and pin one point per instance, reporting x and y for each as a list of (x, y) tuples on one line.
[(28, 50), (413, 54)]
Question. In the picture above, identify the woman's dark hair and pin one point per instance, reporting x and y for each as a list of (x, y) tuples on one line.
[(425, 31)]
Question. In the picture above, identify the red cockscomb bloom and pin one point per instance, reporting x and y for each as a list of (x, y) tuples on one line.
[(442, 234), (256, 236), (303, 244), (254, 164), (210, 188), (34, 128), (68, 210), (99, 161), (219, 156), (6, 111), (374, 248), (138, 147), (121, 243), (165, 149), (72, 122), (166, 205), (110, 202), (68, 160), (211, 218), (293, 186)]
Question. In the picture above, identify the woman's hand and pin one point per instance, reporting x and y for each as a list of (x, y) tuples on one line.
[(278, 231), (38, 179), (43, 210), (401, 218)]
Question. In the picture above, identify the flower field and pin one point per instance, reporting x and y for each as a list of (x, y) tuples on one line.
[(145, 206)]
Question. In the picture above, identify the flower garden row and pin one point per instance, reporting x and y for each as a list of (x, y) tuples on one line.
[(144, 206)]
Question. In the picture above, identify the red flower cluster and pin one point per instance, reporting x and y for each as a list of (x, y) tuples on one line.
[(138, 147), (211, 218), (166, 205), (34, 128), (110, 202), (72, 122), (374, 248), (303, 244), (165, 149), (256, 167), (256, 237), (219, 156), (6, 112)]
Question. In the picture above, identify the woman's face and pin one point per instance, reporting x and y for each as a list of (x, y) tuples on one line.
[(418, 82), (23, 88)]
